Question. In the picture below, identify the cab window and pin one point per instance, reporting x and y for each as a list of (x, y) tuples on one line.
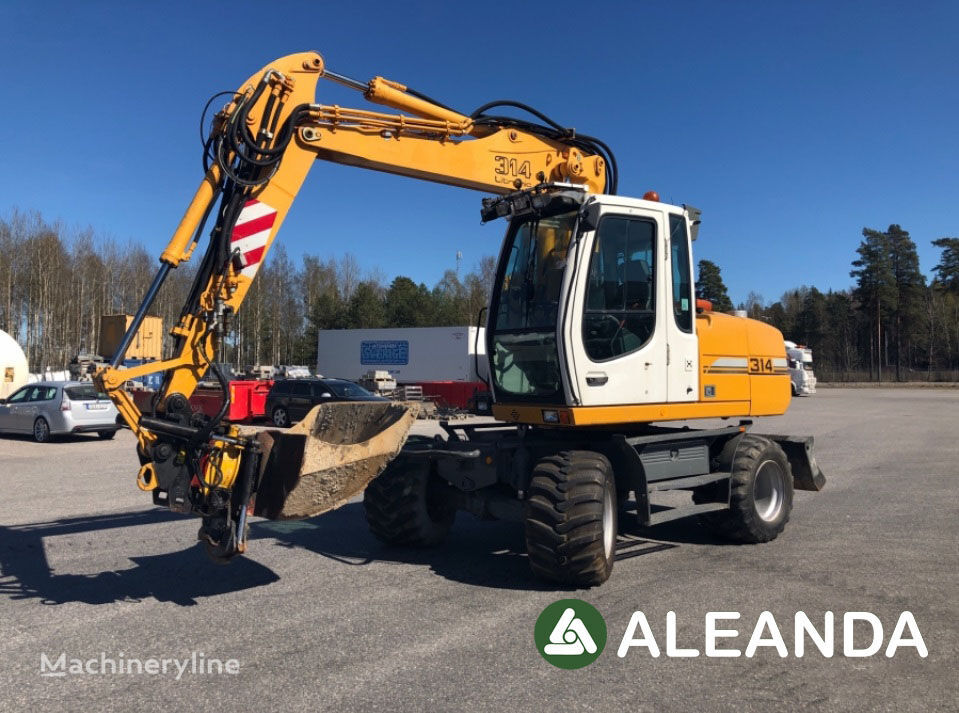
[(620, 311), (682, 280)]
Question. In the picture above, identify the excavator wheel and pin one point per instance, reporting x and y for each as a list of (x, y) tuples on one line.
[(405, 506), (225, 550), (760, 496), (217, 555), (572, 518)]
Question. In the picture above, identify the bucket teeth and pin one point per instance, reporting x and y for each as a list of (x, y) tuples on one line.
[(327, 458)]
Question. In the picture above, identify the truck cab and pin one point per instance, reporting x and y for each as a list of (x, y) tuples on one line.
[(801, 375)]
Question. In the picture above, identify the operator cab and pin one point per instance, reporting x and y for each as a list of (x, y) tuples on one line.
[(593, 301)]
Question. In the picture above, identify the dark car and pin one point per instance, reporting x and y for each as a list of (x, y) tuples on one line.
[(291, 399)]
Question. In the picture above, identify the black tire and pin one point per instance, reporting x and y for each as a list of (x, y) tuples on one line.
[(216, 557), (106, 435), (405, 505), (572, 518), (760, 496), (223, 553), (280, 417), (41, 430)]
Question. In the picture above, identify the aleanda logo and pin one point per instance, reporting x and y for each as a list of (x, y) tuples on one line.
[(767, 634), (571, 634)]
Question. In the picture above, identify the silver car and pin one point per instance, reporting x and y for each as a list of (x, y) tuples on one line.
[(50, 408)]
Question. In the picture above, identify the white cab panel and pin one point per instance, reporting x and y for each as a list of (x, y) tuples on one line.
[(614, 337)]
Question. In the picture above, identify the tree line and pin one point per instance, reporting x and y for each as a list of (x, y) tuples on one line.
[(289, 303), (891, 325), (56, 282)]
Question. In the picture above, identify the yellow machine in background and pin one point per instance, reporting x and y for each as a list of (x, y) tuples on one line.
[(147, 343), (593, 333)]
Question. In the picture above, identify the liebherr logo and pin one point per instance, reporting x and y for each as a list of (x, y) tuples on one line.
[(570, 633)]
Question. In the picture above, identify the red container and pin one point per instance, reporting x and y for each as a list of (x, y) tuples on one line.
[(143, 399), (258, 396), (454, 394), (208, 402), (247, 400)]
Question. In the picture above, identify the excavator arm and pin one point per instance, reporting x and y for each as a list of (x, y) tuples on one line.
[(263, 144)]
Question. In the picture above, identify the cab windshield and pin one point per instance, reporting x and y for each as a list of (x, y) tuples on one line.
[(525, 360)]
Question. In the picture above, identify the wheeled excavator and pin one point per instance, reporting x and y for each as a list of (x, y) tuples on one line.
[(595, 341)]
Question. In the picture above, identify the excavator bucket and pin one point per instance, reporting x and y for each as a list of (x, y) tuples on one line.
[(328, 457)]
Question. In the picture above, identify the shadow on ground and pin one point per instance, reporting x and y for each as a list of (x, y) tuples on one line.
[(178, 577), (479, 553)]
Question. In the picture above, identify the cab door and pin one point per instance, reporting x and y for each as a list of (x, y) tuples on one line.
[(613, 324), (680, 323)]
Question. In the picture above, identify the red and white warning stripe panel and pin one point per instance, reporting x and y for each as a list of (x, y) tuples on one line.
[(250, 234)]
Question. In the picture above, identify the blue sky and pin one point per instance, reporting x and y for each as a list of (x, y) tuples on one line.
[(791, 125)]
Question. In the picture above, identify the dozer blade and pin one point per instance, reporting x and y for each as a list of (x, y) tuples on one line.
[(327, 458)]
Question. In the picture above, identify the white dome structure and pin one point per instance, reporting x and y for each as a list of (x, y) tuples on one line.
[(13, 365)]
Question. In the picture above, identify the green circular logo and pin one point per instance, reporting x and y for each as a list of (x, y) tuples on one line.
[(570, 633)]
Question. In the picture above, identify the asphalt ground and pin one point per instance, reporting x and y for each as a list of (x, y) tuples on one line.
[(320, 616)]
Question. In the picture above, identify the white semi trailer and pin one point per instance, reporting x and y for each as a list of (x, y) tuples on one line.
[(799, 359), (410, 355)]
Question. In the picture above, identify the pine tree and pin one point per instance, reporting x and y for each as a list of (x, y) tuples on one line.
[(910, 287), (710, 286), (947, 271), (876, 289), (811, 320), (408, 304), (366, 309)]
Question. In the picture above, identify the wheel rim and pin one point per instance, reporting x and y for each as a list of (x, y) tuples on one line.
[(279, 417), (609, 531), (769, 491), (40, 430)]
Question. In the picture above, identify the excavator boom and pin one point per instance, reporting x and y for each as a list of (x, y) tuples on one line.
[(262, 146)]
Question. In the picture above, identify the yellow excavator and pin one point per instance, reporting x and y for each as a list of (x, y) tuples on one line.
[(593, 335)]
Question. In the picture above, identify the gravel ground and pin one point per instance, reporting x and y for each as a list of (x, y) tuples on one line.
[(320, 616)]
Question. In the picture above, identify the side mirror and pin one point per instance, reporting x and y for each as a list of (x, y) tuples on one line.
[(3, 401), (326, 395), (589, 217), (695, 215)]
